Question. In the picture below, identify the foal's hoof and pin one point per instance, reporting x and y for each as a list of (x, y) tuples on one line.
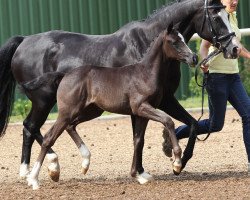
[(54, 175), (84, 170), (177, 167), (144, 178), (54, 167), (176, 172)]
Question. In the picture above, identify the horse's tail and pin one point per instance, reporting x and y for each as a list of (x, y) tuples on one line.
[(7, 81), (50, 79)]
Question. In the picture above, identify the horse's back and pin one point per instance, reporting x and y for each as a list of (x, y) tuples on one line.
[(62, 51)]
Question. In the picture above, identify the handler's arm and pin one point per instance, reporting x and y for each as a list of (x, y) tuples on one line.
[(244, 52), (204, 52)]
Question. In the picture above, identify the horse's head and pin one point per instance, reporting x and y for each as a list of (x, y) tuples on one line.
[(174, 47), (211, 23)]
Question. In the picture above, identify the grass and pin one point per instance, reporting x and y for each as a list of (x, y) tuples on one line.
[(192, 102)]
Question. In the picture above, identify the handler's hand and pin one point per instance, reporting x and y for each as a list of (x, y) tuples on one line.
[(204, 68)]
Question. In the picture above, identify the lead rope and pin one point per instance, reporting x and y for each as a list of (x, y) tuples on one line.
[(204, 83)]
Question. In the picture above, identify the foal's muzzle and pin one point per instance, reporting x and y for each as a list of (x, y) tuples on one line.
[(195, 59)]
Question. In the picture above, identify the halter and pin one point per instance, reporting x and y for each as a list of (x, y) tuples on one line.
[(216, 41)]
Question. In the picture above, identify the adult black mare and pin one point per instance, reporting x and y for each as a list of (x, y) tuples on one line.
[(24, 58), (136, 90)]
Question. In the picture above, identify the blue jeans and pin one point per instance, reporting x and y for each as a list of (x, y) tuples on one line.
[(222, 88)]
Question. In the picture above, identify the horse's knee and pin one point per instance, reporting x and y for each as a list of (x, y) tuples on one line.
[(70, 128)]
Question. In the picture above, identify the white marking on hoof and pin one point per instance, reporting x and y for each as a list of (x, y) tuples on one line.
[(33, 182), (86, 158), (24, 171), (54, 167), (85, 166), (144, 178), (33, 177), (177, 166)]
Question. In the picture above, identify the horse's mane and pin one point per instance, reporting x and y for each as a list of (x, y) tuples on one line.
[(151, 16), (156, 12)]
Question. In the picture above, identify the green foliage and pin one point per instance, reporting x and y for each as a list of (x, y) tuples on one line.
[(21, 108), (195, 90)]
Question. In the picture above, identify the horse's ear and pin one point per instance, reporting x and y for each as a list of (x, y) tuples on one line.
[(170, 27), (212, 2)]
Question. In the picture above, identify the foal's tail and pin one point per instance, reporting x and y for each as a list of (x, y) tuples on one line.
[(51, 79), (7, 81)]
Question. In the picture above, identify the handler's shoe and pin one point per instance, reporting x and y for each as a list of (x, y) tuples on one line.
[(167, 144)]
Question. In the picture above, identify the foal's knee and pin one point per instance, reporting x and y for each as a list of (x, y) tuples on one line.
[(47, 141), (169, 123)]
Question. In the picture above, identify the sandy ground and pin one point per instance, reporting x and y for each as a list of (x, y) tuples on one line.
[(218, 169)]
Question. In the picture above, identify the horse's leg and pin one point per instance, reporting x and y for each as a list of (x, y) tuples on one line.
[(171, 106), (48, 141), (31, 131), (139, 125), (147, 111)]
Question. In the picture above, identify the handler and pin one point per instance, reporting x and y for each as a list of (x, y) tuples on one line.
[(224, 84)]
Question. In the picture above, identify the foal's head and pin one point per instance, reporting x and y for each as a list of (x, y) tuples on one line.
[(174, 47)]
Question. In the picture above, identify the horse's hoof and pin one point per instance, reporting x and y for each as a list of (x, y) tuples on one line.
[(54, 175), (84, 170), (33, 182), (144, 178)]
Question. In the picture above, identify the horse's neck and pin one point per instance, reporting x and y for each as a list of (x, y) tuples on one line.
[(175, 13)]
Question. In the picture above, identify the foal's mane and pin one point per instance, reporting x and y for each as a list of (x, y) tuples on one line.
[(154, 44)]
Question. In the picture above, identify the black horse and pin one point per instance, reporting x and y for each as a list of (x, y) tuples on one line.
[(25, 58), (136, 90)]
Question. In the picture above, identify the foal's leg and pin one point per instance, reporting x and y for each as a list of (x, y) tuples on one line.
[(48, 141), (90, 112), (172, 107), (82, 148), (147, 111), (139, 125), (31, 131)]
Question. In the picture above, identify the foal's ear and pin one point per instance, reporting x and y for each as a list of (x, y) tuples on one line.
[(170, 27)]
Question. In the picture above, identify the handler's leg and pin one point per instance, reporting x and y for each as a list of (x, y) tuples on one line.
[(217, 89), (240, 101)]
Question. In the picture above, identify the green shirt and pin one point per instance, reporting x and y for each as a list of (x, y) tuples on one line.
[(219, 64)]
